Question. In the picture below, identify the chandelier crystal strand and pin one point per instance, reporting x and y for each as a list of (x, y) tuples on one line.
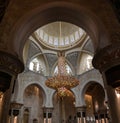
[(61, 64), (62, 82)]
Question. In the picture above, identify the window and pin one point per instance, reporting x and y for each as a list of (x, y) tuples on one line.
[(37, 65), (63, 38), (55, 41), (77, 36), (72, 38), (85, 63)]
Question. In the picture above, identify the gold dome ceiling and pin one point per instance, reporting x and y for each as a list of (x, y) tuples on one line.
[(60, 35)]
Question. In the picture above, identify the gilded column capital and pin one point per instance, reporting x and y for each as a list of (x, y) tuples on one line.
[(10, 63), (107, 57), (47, 112), (15, 108), (81, 109), (15, 105), (46, 109)]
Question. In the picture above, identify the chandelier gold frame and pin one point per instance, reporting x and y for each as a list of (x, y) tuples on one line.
[(62, 82)]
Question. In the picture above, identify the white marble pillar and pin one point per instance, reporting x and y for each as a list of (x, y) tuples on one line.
[(11, 116), (15, 112), (47, 115), (81, 114)]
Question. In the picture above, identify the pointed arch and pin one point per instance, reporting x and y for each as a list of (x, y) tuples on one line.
[(55, 11)]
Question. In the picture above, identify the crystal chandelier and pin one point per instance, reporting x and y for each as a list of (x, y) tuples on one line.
[(62, 82)]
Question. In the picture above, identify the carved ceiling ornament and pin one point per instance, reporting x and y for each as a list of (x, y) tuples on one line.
[(10, 64), (107, 57)]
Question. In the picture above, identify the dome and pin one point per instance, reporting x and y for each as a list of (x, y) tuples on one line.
[(60, 35)]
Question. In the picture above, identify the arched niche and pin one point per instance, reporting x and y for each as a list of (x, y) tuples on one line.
[(26, 115), (64, 107), (57, 11), (34, 99), (94, 97)]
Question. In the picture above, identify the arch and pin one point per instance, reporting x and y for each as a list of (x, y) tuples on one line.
[(54, 11), (26, 114), (42, 90), (28, 78), (71, 93), (19, 92), (86, 87), (34, 99), (63, 105)]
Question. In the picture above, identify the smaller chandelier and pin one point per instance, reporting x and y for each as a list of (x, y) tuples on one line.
[(117, 91), (62, 82)]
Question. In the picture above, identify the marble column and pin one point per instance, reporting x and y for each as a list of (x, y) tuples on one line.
[(114, 111), (107, 61), (47, 115), (10, 67), (81, 114), (1, 103), (15, 112), (100, 118)]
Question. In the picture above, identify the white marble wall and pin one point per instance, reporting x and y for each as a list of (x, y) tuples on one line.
[(28, 78)]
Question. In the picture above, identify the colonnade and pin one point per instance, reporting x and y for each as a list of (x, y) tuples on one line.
[(15, 116), (95, 118)]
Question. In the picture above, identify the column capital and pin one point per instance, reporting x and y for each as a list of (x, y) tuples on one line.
[(47, 112), (107, 57), (10, 64), (81, 109), (15, 105), (46, 109)]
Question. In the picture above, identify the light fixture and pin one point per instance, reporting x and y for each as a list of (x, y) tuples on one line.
[(1, 94), (62, 82), (117, 91)]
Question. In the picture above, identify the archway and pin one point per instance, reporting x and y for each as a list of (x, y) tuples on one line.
[(52, 12), (26, 114), (64, 108), (33, 99), (96, 109)]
